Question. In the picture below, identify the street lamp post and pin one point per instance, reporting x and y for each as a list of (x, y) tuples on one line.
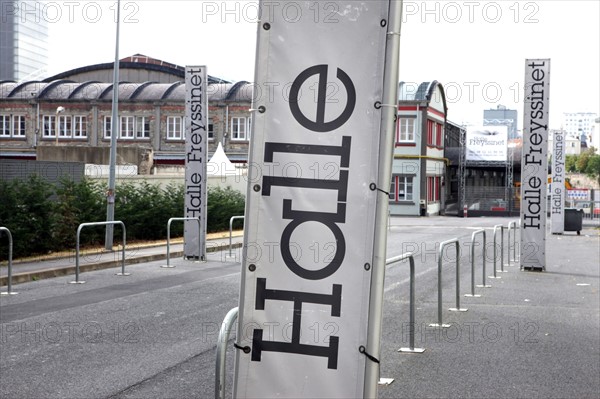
[(114, 131)]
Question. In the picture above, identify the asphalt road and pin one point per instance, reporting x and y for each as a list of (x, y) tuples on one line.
[(153, 334)]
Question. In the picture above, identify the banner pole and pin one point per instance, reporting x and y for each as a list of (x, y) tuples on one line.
[(388, 130)]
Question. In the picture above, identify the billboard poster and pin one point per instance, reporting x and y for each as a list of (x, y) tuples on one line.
[(195, 127), (487, 143), (311, 202), (557, 187), (534, 164)]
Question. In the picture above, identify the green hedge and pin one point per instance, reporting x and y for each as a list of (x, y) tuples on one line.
[(43, 217)]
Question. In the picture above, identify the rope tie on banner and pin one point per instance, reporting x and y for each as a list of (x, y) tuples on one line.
[(393, 33), (372, 358), (245, 349), (374, 187)]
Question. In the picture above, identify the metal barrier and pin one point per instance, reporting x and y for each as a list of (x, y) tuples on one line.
[(411, 312), (224, 333), (514, 245), (230, 232), (443, 245), (168, 265), (473, 236), (81, 226), (10, 253), (501, 250)]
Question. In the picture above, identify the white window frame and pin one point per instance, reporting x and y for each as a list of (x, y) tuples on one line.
[(405, 135), (127, 131), (175, 128), (5, 126), (210, 133), (405, 182), (239, 128), (63, 126), (79, 126), (107, 127), (142, 127), (18, 129), (49, 126)]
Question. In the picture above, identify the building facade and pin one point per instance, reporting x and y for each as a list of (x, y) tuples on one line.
[(23, 40), (581, 126), (501, 116), (419, 166), (64, 119)]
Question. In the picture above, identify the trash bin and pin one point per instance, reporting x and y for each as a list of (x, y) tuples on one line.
[(573, 219)]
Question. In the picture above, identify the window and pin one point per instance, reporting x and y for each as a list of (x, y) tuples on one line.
[(107, 126), (64, 126), (131, 127), (127, 127), (174, 128), (79, 127), (406, 130), (402, 188), (4, 126), (238, 129), (430, 133), (49, 126), (433, 188), (440, 135), (142, 127), (211, 131), (12, 126), (18, 126)]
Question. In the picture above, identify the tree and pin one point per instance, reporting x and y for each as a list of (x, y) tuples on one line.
[(571, 163), (593, 167)]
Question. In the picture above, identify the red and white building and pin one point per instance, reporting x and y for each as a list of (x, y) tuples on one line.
[(419, 165)]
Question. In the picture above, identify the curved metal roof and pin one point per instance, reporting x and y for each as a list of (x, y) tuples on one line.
[(65, 90)]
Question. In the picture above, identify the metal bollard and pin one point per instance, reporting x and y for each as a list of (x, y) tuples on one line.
[(514, 244), (10, 253), (81, 226), (495, 254), (230, 233), (224, 333), (411, 311), (440, 258), (472, 294), (168, 265)]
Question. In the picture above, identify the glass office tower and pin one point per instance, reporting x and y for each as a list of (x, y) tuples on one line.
[(23, 40)]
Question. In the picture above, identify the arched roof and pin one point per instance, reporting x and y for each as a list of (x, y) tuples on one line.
[(425, 91), (66, 90)]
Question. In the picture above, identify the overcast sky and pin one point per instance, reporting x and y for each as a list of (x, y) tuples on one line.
[(476, 49)]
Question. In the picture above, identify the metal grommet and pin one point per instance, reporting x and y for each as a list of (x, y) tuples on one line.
[(367, 267), (247, 349), (256, 187), (262, 109), (252, 267), (362, 349), (373, 186), (266, 26), (383, 23), (378, 105)]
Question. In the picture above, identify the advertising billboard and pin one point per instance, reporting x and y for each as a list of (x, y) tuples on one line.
[(487, 143)]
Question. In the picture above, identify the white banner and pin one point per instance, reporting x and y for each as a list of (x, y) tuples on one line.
[(557, 188), (309, 227), (534, 164), (196, 136), (487, 143)]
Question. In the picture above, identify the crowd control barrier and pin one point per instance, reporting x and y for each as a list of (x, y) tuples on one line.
[(411, 312), (168, 265), (496, 227), (81, 226), (10, 253), (512, 226)]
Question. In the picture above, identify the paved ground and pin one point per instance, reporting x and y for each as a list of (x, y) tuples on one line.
[(153, 334)]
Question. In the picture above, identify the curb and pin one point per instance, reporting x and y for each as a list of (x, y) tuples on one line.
[(65, 271)]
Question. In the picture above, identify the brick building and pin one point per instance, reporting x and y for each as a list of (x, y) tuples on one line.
[(67, 117)]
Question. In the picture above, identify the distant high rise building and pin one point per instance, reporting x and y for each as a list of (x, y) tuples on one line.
[(580, 125), (503, 117), (23, 40)]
